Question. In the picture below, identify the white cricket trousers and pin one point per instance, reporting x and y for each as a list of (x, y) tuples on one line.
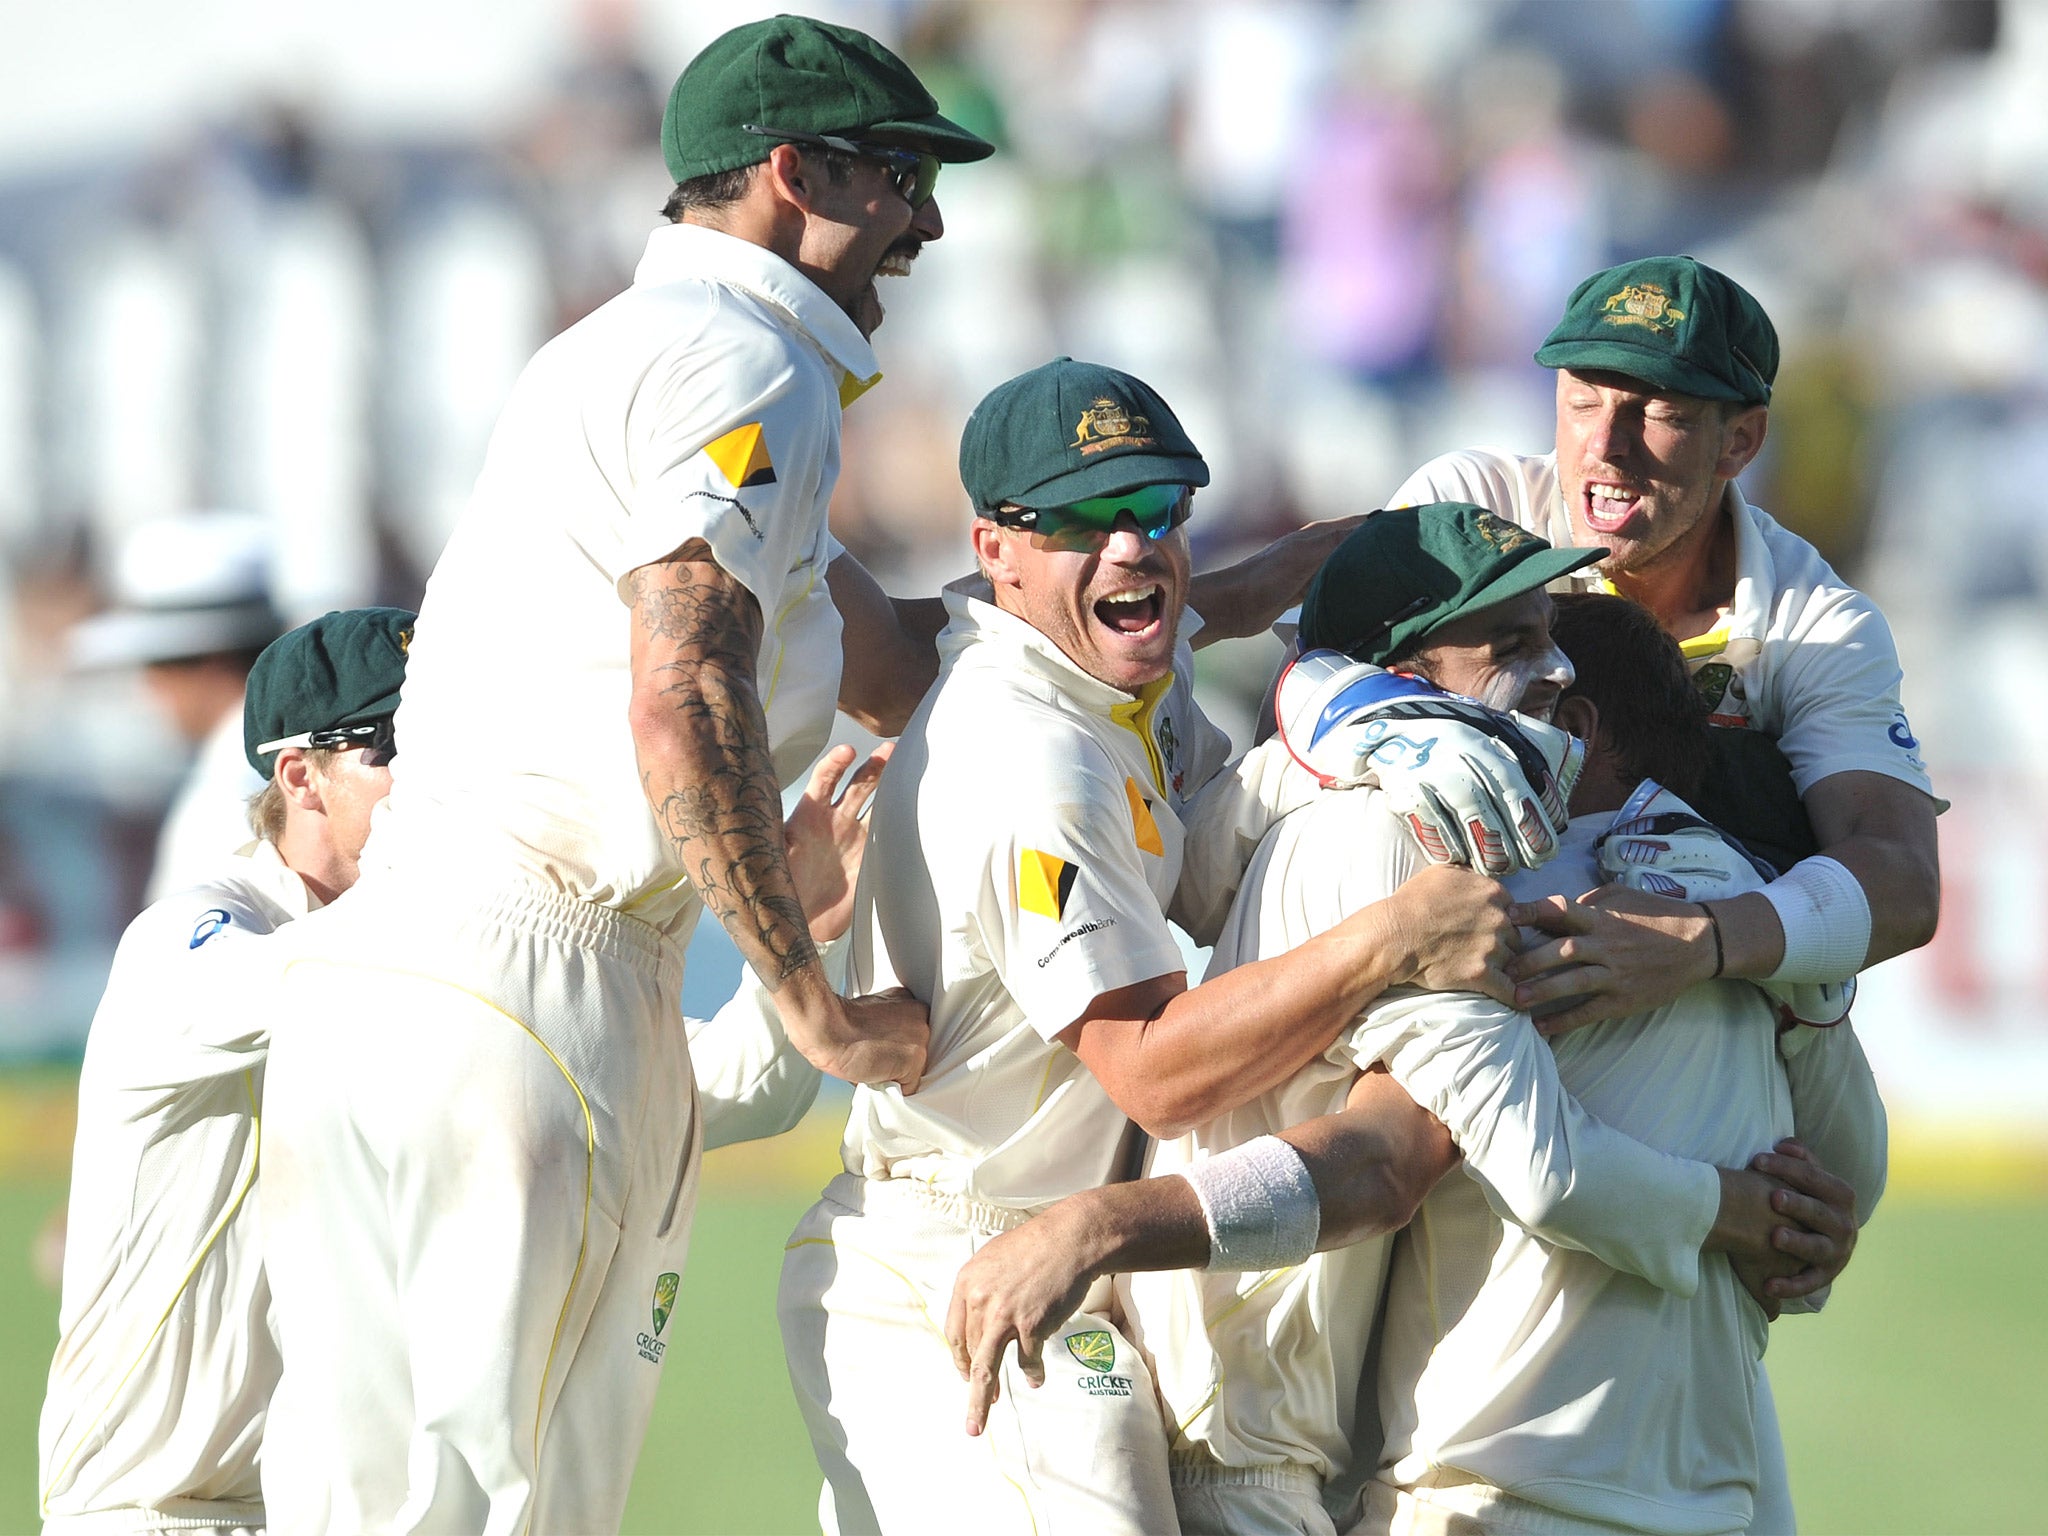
[(1216, 1500), (866, 1282), (480, 1149)]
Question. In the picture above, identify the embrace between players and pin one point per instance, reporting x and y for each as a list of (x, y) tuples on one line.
[(481, 1119)]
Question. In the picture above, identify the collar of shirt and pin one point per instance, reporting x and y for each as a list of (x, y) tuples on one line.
[(291, 892), (693, 253)]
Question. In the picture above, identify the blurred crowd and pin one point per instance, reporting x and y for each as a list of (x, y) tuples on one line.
[(1331, 233)]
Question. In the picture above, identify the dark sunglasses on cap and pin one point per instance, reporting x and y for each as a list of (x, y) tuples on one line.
[(375, 737), (912, 172), (1086, 525)]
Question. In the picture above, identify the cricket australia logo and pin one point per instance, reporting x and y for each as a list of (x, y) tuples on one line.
[(1095, 1349), (651, 1345), (1108, 424), (1644, 304)]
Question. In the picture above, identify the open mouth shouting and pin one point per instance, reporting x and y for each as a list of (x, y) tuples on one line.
[(1609, 505), (1137, 613), (896, 261)]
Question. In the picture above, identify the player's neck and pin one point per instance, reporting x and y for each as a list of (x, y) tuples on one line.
[(1688, 585)]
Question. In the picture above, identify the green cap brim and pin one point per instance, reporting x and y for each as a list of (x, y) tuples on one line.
[(934, 135), (1109, 476), (1538, 570), (1650, 364)]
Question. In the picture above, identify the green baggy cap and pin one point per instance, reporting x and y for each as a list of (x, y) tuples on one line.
[(344, 668), (795, 75), (1067, 431), (1404, 572), (1672, 322)]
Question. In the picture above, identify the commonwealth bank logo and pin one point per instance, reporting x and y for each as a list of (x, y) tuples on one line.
[(651, 1346), (742, 457), (1095, 1349)]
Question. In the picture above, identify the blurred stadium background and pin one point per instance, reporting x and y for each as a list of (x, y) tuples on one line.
[(288, 258)]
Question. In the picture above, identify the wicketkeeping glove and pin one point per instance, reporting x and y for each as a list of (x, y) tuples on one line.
[(1660, 845), (1477, 787)]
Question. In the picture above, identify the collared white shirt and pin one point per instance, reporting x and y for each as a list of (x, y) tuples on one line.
[(1799, 653), (166, 1359), (1262, 1368), (702, 403), (1025, 842)]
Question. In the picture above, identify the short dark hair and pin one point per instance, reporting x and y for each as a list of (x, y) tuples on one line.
[(721, 189), (1635, 675)]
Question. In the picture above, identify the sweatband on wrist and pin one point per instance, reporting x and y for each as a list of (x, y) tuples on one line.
[(1260, 1204), (1826, 918)]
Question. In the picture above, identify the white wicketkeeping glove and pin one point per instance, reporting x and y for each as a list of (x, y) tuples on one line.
[(1660, 845), (1477, 787)]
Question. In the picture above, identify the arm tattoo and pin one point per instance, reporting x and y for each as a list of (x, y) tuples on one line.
[(715, 797)]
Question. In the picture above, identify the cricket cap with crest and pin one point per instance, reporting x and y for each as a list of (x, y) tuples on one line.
[(1067, 431), (1672, 322)]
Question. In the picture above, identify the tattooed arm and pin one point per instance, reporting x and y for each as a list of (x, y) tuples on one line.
[(702, 743)]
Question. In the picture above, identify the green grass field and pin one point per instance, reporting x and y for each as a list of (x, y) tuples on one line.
[(1913, 1405)]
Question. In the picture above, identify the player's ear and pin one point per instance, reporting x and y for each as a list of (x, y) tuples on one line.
[(786, 176), (1579, 715), (1742, 439), (992, 552), (297, 781)]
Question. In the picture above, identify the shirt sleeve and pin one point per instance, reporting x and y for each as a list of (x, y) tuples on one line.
[(730, 443), (1543, 1162), (751, 1082), (1459, 476), (189, 997), (1225, 823), (1068, 913), (1837, 696)]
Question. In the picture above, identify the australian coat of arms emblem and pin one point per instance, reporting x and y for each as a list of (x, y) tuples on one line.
[(1644, 304)]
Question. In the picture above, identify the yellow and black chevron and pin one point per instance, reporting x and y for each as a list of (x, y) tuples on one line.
[(1044, 883), (742, 456)]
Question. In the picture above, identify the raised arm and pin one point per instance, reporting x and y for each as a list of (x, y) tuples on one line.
[(890, 647), (702, 744), (1245, 598)]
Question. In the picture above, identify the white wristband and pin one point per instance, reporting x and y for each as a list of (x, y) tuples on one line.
[(1260, 1204), (1826, 918)]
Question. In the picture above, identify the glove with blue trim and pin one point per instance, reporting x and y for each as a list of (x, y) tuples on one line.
[(1659, 844), (1477, 787)]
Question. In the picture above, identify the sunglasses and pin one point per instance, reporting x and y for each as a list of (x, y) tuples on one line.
[(376, 738), (1085, 526), (912, 172)]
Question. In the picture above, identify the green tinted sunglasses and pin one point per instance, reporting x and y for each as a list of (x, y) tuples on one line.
[(1087, 525), (912, 172)]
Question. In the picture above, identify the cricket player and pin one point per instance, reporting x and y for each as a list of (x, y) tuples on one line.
[(1258, 1363), (1026, 842), (166, 1358), (481, 1173), (1664, 371)]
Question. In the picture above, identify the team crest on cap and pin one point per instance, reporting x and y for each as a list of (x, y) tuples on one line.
[(1500, 535), (1644, 304), (742, 457), (1108, 424), (1044, 883)]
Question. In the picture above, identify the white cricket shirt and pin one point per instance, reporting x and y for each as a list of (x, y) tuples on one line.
[(701, 403), (1262, 1368), (1025, 842), (1799, 653), (1545, 1372), (166, 1359)]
